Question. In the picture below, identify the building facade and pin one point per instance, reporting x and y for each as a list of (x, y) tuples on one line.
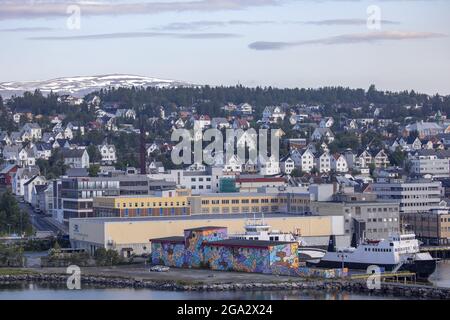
[(433, 227), (432, 164), (365, 219), (142, 206), (413, 196)]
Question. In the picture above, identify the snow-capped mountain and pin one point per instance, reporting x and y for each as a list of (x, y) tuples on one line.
[(80, 86)]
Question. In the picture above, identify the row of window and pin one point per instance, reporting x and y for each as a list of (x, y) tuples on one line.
[(382, 219), (240, 209), (382, 230), (148, 212), (382, 209), (378, 249), (152, 204), (201, 187), (200, 179), (242, 201)]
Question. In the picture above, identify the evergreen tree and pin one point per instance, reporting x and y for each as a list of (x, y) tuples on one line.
[(12, 219)]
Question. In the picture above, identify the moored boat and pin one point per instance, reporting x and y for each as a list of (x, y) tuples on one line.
[(400, 252)]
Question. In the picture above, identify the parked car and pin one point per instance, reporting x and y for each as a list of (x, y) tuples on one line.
[(159, 269)]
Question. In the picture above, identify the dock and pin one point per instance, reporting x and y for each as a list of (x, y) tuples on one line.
[(397, 277), (441, 252)]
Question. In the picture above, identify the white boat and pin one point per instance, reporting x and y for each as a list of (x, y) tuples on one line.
[(257, 229), (400, 252)]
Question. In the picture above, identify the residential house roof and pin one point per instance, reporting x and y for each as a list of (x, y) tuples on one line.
[(73, 153)]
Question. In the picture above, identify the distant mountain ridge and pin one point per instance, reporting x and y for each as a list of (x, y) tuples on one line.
[(81, 85)]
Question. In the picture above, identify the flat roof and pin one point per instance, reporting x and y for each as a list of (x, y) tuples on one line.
[(362, 202), (143, 196), (241, 194), (174, 239), (205, 228), (263, 179), (194, 217), (246, 243)]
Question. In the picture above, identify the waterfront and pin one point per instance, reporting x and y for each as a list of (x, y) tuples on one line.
[(441, 277), (30, 291), (42, 291)]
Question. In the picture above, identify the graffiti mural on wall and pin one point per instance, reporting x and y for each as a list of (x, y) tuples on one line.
[(168, 253), (237, 259), (209, 247), (194, 241)]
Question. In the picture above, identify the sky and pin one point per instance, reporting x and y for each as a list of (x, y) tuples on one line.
[(394, 44)]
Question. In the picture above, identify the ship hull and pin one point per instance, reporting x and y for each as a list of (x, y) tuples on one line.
[(422, 268)]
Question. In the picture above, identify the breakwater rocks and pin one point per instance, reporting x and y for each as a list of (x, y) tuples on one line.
[(331, 286)]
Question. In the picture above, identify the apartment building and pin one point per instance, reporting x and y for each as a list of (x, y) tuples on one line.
[(414, 196), (77, 193), (199, 181), (430, 162)]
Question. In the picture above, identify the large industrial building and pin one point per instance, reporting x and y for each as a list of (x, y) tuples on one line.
[(131, 235)]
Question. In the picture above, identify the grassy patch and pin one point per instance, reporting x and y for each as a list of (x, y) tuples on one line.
[(187, 282)]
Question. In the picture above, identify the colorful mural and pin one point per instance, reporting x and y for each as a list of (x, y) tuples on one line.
[(244, 259), (168, 253), (194, 240), (209, 247)]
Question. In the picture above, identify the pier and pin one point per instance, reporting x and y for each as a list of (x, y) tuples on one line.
[(441, 252), (397, 277)]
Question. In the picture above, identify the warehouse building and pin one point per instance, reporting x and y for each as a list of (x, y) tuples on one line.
[(210, 247), (131, 235)]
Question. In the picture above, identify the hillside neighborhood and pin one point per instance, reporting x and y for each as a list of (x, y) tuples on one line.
[(378, 174)]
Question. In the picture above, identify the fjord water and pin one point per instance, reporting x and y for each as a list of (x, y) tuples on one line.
[(28, 291)]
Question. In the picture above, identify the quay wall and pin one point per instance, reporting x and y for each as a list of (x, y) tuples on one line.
[(387, 289)]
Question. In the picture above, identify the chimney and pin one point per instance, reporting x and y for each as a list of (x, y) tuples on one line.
[(332, 244)]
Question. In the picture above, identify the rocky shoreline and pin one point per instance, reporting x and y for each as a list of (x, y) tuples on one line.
[(387, 289)]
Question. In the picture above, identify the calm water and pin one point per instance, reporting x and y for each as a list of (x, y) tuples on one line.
[(441, 277), (45, 292), (26, 291)]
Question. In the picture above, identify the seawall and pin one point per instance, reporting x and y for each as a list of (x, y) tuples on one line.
[(387, 289)]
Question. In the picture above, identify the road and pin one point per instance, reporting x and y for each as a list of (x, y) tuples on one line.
[(40, 222)]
